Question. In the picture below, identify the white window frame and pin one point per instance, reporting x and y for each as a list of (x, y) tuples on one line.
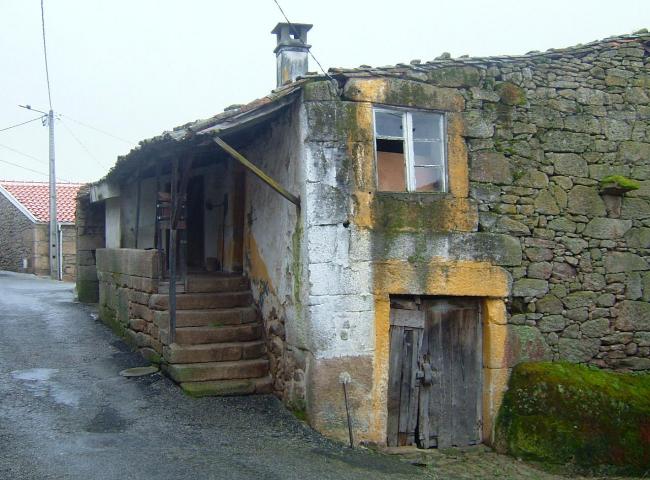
[(409, 153)]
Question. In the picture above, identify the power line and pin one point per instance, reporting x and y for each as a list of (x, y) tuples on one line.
[(309, 51), (47, 70), (24, 154), (24, 168), (130, 142), (82, 145), (19, 124)]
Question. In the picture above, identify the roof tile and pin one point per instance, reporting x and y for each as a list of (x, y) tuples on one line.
[(34, 196)]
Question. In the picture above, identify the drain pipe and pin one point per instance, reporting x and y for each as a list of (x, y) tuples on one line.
[(345, 378)]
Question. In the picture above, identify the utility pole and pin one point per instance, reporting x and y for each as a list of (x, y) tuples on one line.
[(54, 226)]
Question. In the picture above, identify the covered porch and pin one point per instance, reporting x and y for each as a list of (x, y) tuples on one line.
[(181, 225)]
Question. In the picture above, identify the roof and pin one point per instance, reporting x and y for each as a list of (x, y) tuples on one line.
[(238, 117), (445, 59), (33, 199)]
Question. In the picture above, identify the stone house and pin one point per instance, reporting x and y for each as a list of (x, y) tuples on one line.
[(25, 223), (414, 231)]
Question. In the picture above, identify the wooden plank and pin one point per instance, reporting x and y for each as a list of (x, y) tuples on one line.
[(256, 171), (457, 325), (394, 382), (407, 318), (405, 385), (412, 421), (475, 382), (434, 327), (445, 429), (424, 394), (403, 303)]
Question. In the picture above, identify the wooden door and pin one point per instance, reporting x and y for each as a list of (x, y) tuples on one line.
[(434, 391)]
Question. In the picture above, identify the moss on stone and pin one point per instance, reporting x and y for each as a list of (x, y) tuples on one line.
[(88, 291), (108, 316), (299, 409), (464, 76), (409, 93), (510, 93), (565, 413), (622, 182)]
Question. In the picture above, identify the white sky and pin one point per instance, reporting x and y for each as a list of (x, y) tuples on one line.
[(134, 68)]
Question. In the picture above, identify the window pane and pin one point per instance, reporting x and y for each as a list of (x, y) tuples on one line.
[(427, 126), (391, 172), (389, 124), (428, 153), (428, 179)]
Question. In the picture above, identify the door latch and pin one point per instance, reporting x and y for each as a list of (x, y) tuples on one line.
[(426, 374)]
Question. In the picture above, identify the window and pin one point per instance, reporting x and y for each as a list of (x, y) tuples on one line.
[(410, 151)]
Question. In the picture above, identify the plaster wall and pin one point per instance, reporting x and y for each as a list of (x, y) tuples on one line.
[(113, 222), (274, 252), (365, 245)]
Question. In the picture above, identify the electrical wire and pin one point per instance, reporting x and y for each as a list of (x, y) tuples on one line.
[(47, 70), (82, 145), (130, 142), (24, 154), (19, 124), (309, 51), (24, 168)]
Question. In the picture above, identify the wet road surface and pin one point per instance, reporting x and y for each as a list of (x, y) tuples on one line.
[(65, 413)]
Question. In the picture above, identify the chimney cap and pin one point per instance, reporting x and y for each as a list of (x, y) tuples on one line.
[(297, 28), (291, 34)]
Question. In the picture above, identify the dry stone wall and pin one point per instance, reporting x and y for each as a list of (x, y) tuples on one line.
[(127, 279), (543, 131), (16, 238), (89, 237)]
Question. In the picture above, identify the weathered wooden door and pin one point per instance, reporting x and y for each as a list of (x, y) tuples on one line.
[(434, 391)]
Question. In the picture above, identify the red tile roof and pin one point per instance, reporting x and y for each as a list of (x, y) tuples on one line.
[(34, 196)]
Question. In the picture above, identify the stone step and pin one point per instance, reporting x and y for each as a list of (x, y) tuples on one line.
[(163, 287), (207, 317), (205, 371), (214, 352), (202, 301), (216, 283), (222, 388), (200, 335)]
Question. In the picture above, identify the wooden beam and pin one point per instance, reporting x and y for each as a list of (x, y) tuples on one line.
[(259, 173)]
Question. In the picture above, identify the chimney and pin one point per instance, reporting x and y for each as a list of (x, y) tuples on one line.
[(292, 51)]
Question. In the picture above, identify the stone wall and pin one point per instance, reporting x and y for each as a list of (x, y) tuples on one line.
[(89, 237), (69, 252), (16, 238), (127, 279), (542, 132), (525, 225)]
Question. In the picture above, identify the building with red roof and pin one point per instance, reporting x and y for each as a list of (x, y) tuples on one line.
[(24, 227)]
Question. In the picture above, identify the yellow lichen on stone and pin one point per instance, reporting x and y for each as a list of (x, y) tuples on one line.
[(257, 270), (403, 93), (495, 383)]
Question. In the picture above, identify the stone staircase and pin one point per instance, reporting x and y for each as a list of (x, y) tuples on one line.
[(219, 347)]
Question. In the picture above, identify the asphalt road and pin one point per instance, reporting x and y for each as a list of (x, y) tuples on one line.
[(66, 413)]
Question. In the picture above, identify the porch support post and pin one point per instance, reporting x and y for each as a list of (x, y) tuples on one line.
[(137, 206), (172, 251), (259, 173)]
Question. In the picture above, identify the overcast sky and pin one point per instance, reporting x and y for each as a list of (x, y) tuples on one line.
[(134, 68)]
